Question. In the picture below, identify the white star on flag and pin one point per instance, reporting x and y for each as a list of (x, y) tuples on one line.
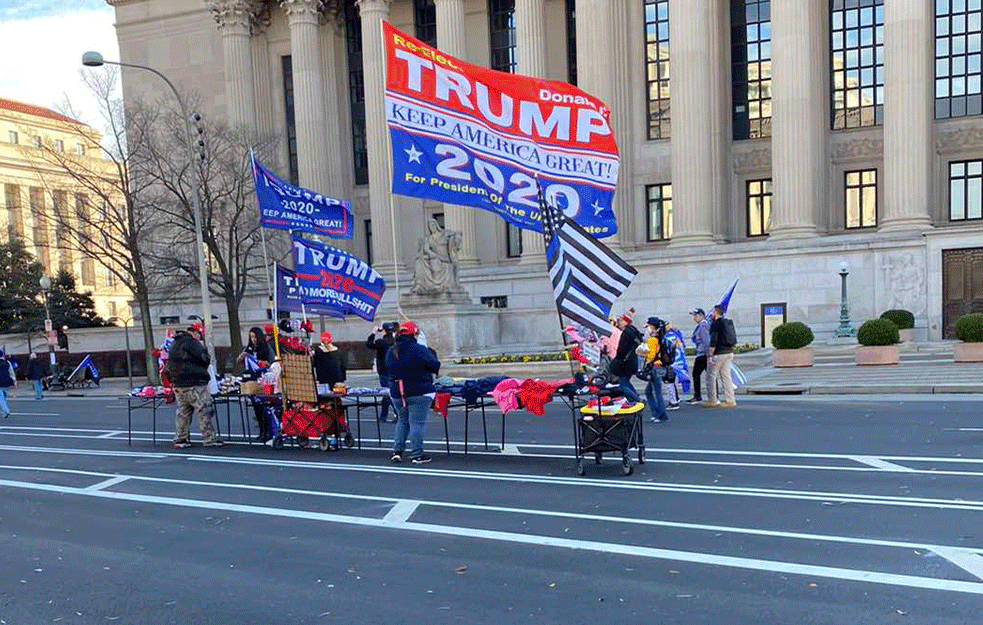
[(414, 154), (597, 208)]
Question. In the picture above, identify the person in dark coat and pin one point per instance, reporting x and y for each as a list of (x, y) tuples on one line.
[(8, 381), (262, 352), (35, 373), (381, 347), (187, 367), (625, 361), (412, 368), (329, 365)]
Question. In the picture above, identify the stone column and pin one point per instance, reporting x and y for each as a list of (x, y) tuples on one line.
[(908, 114), (308, 81), (451, 39), (373, 13), (235, 19), (691, 76), (799, 68), (530, 57)]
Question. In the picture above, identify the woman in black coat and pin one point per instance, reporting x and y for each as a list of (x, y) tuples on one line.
[(258, 348)]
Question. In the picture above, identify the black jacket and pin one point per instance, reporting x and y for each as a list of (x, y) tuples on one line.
[(718, 336), (187, 361), (630, 339), (35, 369), (381, 347), (414, 365), (263, 353), (329, 367)]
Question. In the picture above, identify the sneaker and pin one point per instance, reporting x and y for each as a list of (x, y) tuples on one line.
[(729, 404), (695, 400), (182, 444), (422, 459), (396, 459), (214, 443), (672, 407), (710, 404), (654, 420)]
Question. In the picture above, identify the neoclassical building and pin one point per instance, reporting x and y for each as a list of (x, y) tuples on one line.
[(770, 140)]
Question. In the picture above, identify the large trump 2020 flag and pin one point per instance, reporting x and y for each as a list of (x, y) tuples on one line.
[(472, 136)]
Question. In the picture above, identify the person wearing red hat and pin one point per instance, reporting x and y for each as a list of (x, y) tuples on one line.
[(329, 365), (411, 369), (187, 368), (625, 362)]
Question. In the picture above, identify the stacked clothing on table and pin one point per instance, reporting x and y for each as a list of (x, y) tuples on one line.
[(532, 394), (471, 391)]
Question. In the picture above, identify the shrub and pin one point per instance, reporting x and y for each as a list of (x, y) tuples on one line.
[(904, 319), (792, 335), (878, 332), (969, 328)]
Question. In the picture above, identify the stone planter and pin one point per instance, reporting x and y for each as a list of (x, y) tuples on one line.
[(907, 336), (878, 355), (802, 357), (968, 352)]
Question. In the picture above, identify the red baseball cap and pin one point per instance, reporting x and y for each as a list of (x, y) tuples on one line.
[(197, 327), (408, 329)]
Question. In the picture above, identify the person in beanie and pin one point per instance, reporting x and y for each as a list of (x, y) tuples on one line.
[(381, 347), (701, 339), (625, 363), (329, 366), (411, 369), (187, 367), (35, 373), (8, 381)]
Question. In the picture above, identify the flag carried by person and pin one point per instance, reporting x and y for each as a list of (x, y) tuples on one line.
[(283, 206), (471, 136), (679, 365), (586, 276), (332, 278), (725, 300)]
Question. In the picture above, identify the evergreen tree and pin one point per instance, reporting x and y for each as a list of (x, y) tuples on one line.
[(20, 289), (69, 307)]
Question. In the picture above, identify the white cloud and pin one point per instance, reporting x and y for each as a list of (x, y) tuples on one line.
[(42, 57)]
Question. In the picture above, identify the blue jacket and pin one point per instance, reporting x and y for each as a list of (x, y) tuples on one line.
[(414, 365), (701, 337)]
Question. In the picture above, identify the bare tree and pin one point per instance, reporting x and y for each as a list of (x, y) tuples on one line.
[(111, 218), (230, 221)]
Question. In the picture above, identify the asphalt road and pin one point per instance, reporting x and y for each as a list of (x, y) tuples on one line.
[(784, 510)]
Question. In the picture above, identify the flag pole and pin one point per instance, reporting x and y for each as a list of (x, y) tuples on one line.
[(262, 234), (389, 173)]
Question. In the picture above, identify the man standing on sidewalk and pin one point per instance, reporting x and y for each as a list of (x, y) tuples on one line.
[(721, 353), (187, 366), (35, 373), (381, 347), (701, 339)]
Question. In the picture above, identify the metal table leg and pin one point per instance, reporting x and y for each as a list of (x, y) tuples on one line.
[(484, 423), (129, 421), (467, 416), (378, 426), (358, 421)]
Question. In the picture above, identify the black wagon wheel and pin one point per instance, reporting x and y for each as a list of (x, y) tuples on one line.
[(349, 440), (278, 442), (597, 457), (626, 465), (581, 469), (323, 443)]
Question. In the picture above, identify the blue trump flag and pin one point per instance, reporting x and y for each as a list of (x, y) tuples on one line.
[(680, 366), (288, 296), (725, 300), (333, 278), (283, 206)]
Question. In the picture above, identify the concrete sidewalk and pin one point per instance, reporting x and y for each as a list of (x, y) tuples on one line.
[(925, 368)]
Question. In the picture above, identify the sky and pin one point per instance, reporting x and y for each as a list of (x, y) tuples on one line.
[(41, 44)]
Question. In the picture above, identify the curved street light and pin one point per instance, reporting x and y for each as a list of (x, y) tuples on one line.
[(95, 59)]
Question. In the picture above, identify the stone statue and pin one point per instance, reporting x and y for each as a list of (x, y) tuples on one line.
[(906, 283), (436, 261)]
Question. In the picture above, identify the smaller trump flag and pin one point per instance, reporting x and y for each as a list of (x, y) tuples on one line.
[(283, 206)]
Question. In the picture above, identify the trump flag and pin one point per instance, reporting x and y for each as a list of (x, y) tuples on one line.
[(288, 296), (472, 136), (331, 278), (283, 206)]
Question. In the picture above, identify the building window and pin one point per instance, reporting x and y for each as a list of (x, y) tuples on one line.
[(425, 21), (12, 136), (368, 241), (89, 272), (857, 62), (37, 142), (958, 30), (659, 198), (861, 199), (80, 149), (751, 71), (758, 207), (356, 93), (501, 22), (36, 199), (59, 145), (170, 321), (965, 195), (286, 62), (15, 214), (439, 218), (513, 241), (110, 277), (657, 67), (495, 301), (571, 13)]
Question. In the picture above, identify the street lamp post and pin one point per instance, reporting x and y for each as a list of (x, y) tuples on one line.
[(48, 326), (845, 330), (94, 59), (126, 332)]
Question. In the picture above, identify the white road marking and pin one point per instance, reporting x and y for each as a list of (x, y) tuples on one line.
[(509, 450), (965, 559), (84, 452), (35, 414), (633, 551), (111, 434), (401, 512), (884, 465), (107, 483)]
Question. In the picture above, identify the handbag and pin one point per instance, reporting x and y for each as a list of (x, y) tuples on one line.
[(669, 377)]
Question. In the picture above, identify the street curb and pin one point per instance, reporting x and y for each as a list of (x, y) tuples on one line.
[(871, 389)]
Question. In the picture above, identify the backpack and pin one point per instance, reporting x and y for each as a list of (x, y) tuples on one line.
[(730, 334), (667, 353)]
